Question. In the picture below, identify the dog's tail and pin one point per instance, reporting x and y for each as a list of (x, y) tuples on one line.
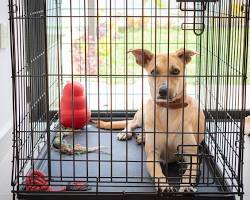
[(114, 125)]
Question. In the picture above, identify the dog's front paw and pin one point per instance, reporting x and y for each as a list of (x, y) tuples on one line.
[(140, 139), (187, 188), (124, 135), (170, 189), (162, 186)]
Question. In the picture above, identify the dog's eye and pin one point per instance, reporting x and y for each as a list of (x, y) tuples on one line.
[(155, 72), (175, 71)]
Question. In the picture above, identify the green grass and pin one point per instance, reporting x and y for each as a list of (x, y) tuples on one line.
[(114, 59), (113, 55)]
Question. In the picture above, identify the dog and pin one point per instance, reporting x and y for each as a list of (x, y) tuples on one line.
[(247, 125), (172, 121)]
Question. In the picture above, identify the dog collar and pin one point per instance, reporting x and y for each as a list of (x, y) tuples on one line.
[(177, 104)]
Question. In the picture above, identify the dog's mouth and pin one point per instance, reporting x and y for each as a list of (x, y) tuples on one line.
[(167, 98)]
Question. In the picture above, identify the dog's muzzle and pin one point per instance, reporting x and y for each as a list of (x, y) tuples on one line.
[(163, 92)]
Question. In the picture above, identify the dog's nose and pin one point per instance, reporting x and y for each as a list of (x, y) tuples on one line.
[(163, 91)]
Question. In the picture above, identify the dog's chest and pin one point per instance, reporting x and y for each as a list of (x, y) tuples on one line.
[(169, 126), (170, 121)]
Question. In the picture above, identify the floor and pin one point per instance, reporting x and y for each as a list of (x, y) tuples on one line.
[(5, 172)]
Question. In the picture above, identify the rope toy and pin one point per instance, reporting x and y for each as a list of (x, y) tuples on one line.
[(63, 147), (37, 181)]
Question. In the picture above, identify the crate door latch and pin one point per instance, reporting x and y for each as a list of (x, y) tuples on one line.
[(198, 8)]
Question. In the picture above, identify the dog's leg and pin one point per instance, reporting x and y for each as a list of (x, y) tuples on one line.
[(127, 133), (153, 154), (155, 171), (191, 158), (190, 176), (247, 125)]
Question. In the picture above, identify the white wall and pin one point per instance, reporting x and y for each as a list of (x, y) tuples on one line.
[(5, 78), (5, 112)]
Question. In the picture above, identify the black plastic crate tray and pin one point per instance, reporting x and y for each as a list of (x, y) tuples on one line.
[(128, 178)]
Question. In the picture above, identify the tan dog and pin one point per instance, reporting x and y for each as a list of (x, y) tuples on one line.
[(171, 119)]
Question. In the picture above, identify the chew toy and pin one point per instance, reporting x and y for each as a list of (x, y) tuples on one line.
[(36, 181), (74, 112)]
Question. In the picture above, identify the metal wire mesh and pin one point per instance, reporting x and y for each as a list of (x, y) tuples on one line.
[(58, 41)]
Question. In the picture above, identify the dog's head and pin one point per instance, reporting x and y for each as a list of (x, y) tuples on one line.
[(165, 72)]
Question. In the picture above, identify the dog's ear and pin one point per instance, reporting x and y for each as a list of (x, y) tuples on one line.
[(142, 57), (185, 54)]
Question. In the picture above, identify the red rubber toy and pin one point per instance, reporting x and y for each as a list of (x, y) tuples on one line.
[(75, 110)]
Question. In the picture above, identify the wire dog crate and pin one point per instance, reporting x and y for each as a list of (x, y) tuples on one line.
[(55, 42)]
